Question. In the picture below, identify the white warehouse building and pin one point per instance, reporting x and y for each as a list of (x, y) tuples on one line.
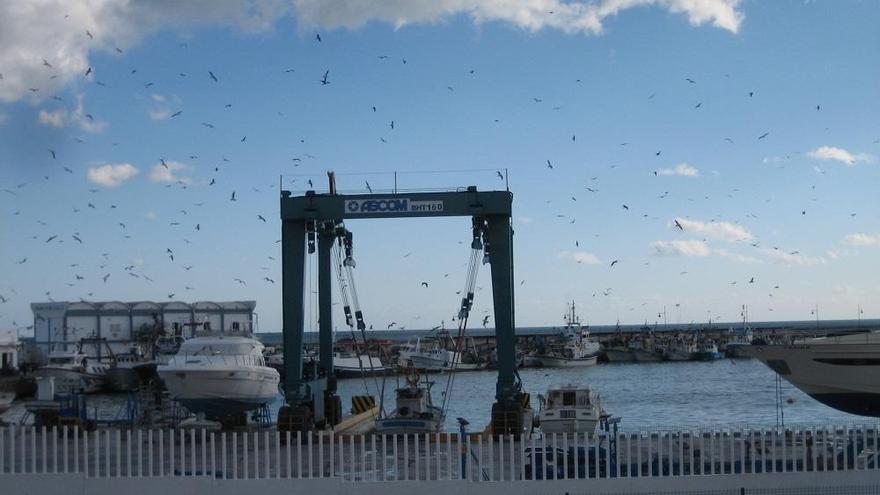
[(59, 326)]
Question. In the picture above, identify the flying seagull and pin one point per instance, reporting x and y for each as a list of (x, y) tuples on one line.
[(324, 80), (213, 77)]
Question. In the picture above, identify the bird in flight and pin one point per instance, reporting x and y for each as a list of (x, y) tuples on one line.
[(176, 114), (52, 152), (549, 165), (690, 80), (614, 263), (318, 37), (233, 196), (262, 218), (213, 77), (267, 279), (678, 224), (324, 80), (762, 136), (368, 186), (424, 284)]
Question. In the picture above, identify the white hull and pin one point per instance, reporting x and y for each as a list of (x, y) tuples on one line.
[(569, 426), (217, 391), (842, 376), (560, 362)]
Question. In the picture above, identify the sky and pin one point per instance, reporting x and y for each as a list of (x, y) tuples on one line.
[(722, 152)]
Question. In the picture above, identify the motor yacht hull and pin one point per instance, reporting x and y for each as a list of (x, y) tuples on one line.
[(220, 392), (843, 376)]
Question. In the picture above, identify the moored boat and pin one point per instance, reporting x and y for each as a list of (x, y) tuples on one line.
[(571, 410), (414, 412)]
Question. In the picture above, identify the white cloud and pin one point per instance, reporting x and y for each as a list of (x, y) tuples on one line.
[(860, 239), (682, 169), (690, 248), (533, 15), (57, 118), (112, 175), (724, 231), (123, 23), (157, 98), (840, 155), (165, 173), (63, 118), (740, 258), (582, 257), (792, 258), (159, 114)]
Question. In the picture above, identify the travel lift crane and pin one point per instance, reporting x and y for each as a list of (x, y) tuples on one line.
[(314, 403)]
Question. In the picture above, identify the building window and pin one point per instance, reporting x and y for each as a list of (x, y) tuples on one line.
[(235, 326)]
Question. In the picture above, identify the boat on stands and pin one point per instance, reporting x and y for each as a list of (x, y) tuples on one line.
[(220, 376), (841, 371), (571, 410)]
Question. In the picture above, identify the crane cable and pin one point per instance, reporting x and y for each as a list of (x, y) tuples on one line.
[(347, 262), (467, 302)]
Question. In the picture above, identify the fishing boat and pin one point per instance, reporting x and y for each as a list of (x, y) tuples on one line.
[(706, 350), (842, 371), (681, 349), (571, 410), (619, 353), (129, 370), (740, 339), (576, 348), (76, 371), (220, 375), (414, 412), (645, 350)]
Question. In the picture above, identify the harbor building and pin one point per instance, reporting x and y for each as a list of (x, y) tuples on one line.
[(60, 326)]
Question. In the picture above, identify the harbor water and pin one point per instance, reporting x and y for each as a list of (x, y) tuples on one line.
[(722, 393)]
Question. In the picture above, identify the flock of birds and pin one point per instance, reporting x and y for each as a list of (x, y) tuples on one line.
[(108, 266)]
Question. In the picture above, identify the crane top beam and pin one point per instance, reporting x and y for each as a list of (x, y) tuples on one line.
[(467, 202)]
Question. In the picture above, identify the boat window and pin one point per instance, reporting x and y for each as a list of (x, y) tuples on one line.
[(569, 399)]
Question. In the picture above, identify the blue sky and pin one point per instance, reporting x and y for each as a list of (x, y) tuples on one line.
[(796, 210)]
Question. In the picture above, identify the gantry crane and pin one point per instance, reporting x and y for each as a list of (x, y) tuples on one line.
[(318, 219)]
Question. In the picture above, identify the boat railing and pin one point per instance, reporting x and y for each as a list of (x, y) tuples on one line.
[(201, 360)]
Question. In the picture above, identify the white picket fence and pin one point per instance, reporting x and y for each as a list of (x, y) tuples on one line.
[(269, 454)]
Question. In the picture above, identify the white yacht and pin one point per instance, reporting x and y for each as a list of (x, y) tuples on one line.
[(355, 365), (414, 411), (571, 409), (842, 372), (576, 349), (220, 375)]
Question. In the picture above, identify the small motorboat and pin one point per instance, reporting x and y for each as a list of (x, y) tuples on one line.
[(571, 410)]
